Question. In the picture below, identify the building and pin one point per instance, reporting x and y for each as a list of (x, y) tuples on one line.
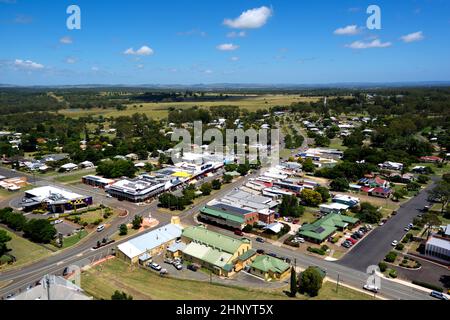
[(53, 287), (347, 200), (214, 251), (269, 268), (149, 244), (389, 165), (431, 159), (380, 192), (86, 165), (437, 247), (69, 167), (334, 207), (325, 227), (98, 182), (14, 184), (137, 190), (55, 200), (228, 216)]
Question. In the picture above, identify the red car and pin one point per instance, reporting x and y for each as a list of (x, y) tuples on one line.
[(296, 221), (352, 240), (238, 233)]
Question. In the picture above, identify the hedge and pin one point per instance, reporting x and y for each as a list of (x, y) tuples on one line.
[(428, 286)]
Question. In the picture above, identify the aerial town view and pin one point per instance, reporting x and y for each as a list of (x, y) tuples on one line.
[(224, 150)]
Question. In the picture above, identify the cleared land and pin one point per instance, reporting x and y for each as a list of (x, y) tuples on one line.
[(161, 110), (25, 251), (102, 281)]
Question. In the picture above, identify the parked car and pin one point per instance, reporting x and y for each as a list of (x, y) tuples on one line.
[(346, 244), (66, 271), (272, 255), (351, 240), (178, 266), (438, 295), (407, 229), (411, 225), (238, 232), (168, 261), (371, 288), (155, 266), (260, 240), (9, 296), (100, 228), (260, 251), (394, 243), (193, 267)]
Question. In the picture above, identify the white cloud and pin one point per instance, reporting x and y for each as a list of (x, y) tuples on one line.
[(227, 47), (143, 51), (193, 32), (348, 30), (412, 37), (95, 69), (66, 40), (28, 64), (234, 34), (234, 58), (71, 60), (368, 45), (250, 19), (140, 66)]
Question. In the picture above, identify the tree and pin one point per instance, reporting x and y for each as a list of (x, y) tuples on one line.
[(441, 194), (123, 230), (369, 213), (117, 295), (216, 184), (308, 166), (294, 285), (310, 282), (243, 169), (289, 207), (148, 167), (137, 222), (4, 238), (311, 198), (323, 192), (206, 188), (116, 169), (39, 230), (339, 184), (226, 178)]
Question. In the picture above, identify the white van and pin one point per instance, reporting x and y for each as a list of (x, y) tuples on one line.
[(100, 228)]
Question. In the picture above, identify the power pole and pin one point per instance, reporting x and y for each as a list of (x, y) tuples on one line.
[(337, 284)]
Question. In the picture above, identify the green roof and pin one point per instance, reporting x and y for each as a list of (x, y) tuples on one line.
[(326, 226), (247, 254), (267, 263), (222, 215), (213, 239)]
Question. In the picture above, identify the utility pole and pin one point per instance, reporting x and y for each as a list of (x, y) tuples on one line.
[(337, 284), (47, 280)]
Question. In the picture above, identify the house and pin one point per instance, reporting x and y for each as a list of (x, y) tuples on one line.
[(431, 159), (334, 207), (373, 182), (269, 268), (389, 165), (213, 251), (86, 165), (149, 244), (69, 167), (347, 200), (402, 178), (325, 227), (380, 192)]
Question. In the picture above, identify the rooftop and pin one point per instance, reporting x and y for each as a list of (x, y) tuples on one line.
[(267, 263)]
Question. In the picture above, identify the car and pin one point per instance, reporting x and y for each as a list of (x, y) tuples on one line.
[(351, 240), (411, 225), (109, 196), (29, 287), (394, 212), (238, 232), (346, 245), (100, 228), (371, 288), (301, 240), (394, 243), (381, 223), (178, 266), (193, 267), (163, 272), (260, 251), (66, 271), (438, 295), (59, 221), (9, 296), (272, 255), (296, 221), (426, 208), (260, 240), (407, 229), (168, 261), (155, 266)]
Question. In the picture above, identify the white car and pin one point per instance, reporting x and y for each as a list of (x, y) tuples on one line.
[(155, 266), (394, 243), (59, 221), (371, 288)]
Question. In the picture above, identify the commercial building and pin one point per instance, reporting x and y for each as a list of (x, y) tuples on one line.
[(55, 200), (327, 226), (269, 268), (149, 244), (98, 182), (437, 247), (214, 251), (227, 216)]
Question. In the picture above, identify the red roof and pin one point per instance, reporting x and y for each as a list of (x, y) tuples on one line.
[(431, 158)]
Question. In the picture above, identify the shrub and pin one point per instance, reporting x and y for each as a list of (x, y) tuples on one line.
[(428, 286), (393, 273), (317, 250), (390, 257), (382, 266), (400, 247)]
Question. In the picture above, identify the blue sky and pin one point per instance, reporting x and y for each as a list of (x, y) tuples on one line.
[(206, 41)]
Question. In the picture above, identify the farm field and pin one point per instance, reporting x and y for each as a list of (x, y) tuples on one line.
[(161, 110)]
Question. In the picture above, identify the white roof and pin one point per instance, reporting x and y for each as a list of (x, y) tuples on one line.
[(275, 227), (150, 240), (69, 166), (334, 206), (437, 242), (47, 191)]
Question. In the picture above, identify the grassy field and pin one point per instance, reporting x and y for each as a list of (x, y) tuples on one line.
[(102, 281), (160, 110), (74, 177), (25, 251), (73, 240)]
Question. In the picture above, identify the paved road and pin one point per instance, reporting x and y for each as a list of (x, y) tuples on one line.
[(377, 244)]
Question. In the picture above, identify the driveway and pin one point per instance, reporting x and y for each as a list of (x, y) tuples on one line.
[(377, 244)]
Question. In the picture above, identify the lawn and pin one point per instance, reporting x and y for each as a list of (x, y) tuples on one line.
[(160, 110), (74, 177), (337, 144), (73, 240), (25, 251), (102, 281)]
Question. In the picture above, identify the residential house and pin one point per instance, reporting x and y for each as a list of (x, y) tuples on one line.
[(269, 268)]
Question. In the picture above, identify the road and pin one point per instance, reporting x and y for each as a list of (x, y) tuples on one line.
[(377, 244)]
